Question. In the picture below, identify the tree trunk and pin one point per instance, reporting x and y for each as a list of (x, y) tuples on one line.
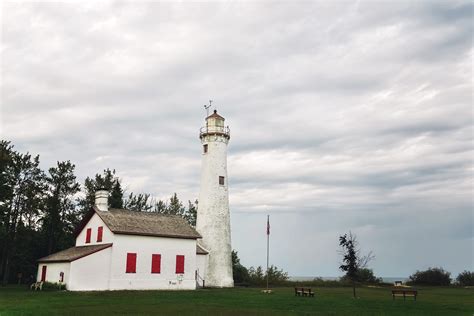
[(6, 272), (3, 262), (354, 289)]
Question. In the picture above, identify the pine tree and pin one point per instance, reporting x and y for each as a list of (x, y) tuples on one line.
[(106, 181), (138, 202), (22, 191), (191, 213), (160, 207), (116, 196), (175, 207), (60, 216)]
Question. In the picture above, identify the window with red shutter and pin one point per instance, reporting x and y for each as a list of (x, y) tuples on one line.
[(88, 235), (156, 263), (131, 263), (100, 231), (179, 264)]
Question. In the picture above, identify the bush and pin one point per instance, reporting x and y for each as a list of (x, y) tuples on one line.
[(258, 277), (49, 286), (364, 276), (465, 278), (240, 274), (432, 276), (320, 282)]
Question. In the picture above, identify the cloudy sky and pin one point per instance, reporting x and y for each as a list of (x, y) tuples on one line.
[(345, 116)]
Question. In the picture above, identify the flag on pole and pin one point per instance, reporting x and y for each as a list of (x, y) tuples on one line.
[(268, 225)]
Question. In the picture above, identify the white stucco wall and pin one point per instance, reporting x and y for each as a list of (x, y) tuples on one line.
[(53, 270), (92, 272), (94, 223), (144, 247), (213, 220), (201, 264)]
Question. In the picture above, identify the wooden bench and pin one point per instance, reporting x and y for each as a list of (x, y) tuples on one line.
[(404, 293), (37, 285), (302, 291)]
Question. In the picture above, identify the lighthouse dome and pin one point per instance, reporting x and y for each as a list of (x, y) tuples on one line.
[(215, 126)]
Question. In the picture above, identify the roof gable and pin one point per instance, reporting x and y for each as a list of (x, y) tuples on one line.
[(121, 221)]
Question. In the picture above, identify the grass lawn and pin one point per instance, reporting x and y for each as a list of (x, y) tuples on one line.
[(238, 301)]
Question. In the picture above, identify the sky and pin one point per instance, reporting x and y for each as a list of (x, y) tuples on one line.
[(344, 116)]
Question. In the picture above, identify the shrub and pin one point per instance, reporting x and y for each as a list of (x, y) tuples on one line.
[(432, 276), (465, 278), (364, 275), (240, 274), (258, 277), (49, 286), (320, 282)]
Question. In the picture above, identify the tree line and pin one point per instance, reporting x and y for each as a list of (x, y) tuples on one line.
[(356, 272), (40, 209)]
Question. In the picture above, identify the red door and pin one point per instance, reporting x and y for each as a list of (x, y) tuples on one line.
[(43, 274)]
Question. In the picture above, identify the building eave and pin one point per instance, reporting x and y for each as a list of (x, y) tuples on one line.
[(46, 260), (156, 235)]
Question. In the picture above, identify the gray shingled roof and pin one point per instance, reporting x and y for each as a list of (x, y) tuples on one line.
[(200, 250), (73, 253), (128, 222)]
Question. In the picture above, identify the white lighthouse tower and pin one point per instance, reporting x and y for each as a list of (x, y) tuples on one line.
[(213, 217)]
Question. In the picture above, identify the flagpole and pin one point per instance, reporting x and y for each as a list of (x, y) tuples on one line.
[(268, 243)]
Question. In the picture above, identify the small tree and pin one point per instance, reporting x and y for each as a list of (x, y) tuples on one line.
[(365, 275), (352, 261), (465, 278), (257, 276), (239, 272), (191, 213), (138, 202)]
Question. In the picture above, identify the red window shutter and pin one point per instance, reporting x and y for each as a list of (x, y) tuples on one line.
[(88, 235), (43, 274), (179, 264), (131, 263), (155, 263), (100, 231)]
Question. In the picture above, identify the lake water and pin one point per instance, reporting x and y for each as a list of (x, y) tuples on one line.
[(307, 278)]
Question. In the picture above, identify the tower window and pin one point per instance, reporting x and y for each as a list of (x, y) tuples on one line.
[(204, 148), (221, 180)]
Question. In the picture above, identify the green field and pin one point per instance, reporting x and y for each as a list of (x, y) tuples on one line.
[(238, 301)]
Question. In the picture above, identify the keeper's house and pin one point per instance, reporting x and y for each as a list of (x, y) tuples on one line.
[(118, 249)]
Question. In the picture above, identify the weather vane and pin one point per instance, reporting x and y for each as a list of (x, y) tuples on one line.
[(207, 107)]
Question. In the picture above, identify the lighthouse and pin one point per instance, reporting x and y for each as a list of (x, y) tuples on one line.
[(213, 216)]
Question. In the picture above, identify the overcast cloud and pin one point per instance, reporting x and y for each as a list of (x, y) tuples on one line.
[(344, 116)]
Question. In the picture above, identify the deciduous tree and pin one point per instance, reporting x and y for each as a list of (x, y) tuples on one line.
[(352, 260)]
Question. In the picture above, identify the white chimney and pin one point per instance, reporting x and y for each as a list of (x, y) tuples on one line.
[(102, 200)]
